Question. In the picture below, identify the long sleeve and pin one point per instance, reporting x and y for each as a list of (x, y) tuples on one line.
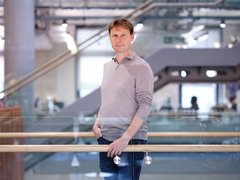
[(144, 92)]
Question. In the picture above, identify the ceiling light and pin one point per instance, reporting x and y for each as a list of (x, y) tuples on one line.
[(222, 25), (138, 27), (175, 73), (211, 73), (64, 25), (183, 73)]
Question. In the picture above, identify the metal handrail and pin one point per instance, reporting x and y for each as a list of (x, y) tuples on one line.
[(91, 135), (129, 148)]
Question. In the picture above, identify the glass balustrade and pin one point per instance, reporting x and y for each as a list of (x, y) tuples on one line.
[(180, 147)]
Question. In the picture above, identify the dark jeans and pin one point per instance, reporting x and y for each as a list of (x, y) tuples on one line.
[(130, 166)]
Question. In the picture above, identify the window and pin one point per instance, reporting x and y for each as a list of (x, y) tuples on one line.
[(91, 71), (205, 93), (91, 61)]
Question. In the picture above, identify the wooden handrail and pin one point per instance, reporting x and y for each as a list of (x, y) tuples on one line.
[(91, 135), (130, 148)]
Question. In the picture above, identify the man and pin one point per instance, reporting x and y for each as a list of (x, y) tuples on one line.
[(233, 102), (194, 103), (126, 99)]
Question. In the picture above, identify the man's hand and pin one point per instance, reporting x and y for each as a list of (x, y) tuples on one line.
[(117, 146), (97, 131)]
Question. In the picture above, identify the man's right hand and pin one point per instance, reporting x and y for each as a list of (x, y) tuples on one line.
[(97, 131)]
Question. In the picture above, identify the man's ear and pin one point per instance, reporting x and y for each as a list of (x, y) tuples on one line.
[(133, 36)]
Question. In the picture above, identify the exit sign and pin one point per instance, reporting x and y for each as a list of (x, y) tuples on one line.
[(173, 40)]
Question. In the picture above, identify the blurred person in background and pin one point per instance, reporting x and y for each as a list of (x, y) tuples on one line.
[(194, 103), (233, 106)]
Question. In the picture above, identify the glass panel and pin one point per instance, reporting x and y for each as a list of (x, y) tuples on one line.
[(47, 95), (165, 165)]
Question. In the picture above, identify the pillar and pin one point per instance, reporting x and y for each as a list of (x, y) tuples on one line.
[(19, 51)]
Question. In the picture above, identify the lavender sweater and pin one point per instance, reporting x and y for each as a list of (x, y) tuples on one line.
[(126, 91)]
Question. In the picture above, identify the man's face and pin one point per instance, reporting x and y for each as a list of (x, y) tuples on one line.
[(121, 39)]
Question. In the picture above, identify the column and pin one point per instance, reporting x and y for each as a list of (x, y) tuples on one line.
[(19, 51)]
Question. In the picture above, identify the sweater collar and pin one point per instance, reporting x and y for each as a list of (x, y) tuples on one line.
[(128, 58)]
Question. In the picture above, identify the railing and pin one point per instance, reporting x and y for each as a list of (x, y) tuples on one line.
[(130, 148), (90, 134)]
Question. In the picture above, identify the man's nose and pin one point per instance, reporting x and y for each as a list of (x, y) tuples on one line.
[(119, 39)]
